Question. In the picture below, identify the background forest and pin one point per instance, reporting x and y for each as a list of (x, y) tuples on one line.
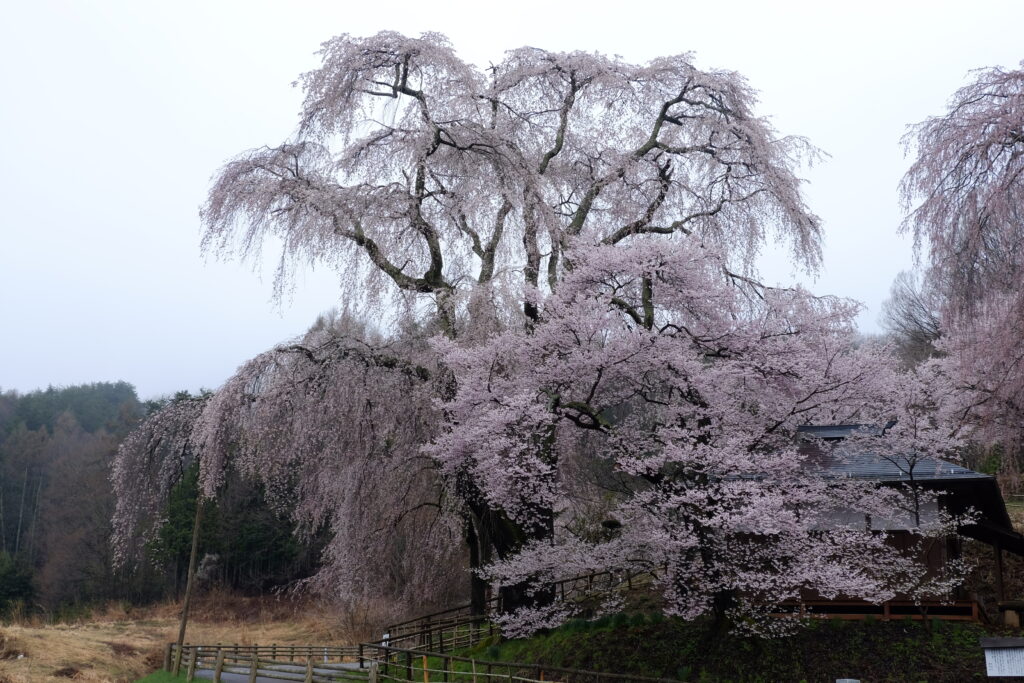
[(56, 504)]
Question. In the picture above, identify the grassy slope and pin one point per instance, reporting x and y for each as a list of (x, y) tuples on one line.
[(827, 650), (121, 647)]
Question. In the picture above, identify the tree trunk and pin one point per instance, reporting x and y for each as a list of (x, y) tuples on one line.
[(477, 560), (507, 538)]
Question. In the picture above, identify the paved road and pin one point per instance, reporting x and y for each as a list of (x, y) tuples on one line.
[(298, 669)]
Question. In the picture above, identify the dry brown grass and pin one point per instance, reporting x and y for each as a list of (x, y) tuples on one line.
[(120, 645)]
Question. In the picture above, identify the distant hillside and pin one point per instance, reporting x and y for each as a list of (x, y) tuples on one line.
[(56, 446), (100, 405)]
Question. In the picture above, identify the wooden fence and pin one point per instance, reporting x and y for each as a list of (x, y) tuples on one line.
[(566, 589), (403, 665), (958, 610), (439, 636), (308, 663)]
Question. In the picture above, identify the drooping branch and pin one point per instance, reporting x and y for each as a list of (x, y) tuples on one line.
[(965, 196)]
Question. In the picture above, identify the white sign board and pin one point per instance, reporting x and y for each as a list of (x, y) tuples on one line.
[(1004, 661)]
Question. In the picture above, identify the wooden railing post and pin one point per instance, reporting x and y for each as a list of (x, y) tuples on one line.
[(408, 665), (218, 668), (254, 667), (177, 660), (360, 655), (167, 657), (192, 663), (309, 670)]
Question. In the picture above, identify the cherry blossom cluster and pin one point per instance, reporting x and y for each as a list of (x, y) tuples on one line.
[(685, 386)]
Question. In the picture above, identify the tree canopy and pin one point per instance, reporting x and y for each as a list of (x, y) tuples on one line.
[(412, 170)]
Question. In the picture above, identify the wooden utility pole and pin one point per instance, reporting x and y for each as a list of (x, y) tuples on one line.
[(190, 581), (3, 529), (32, 524), (21, 513), (1000, 594)]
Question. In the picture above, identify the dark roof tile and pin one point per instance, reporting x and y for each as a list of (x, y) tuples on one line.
[(823, 444)]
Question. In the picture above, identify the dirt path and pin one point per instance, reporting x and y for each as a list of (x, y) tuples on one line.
[(298, 671)]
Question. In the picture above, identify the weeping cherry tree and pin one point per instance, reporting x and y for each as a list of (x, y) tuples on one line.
[(578, 235)]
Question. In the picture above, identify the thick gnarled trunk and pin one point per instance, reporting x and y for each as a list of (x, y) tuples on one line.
[(498, 537)]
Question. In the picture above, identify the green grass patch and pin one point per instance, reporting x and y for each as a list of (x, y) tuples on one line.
[(656, 646), (162, 677)]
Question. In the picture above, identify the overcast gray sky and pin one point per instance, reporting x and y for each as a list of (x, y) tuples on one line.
[(115, 114)]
